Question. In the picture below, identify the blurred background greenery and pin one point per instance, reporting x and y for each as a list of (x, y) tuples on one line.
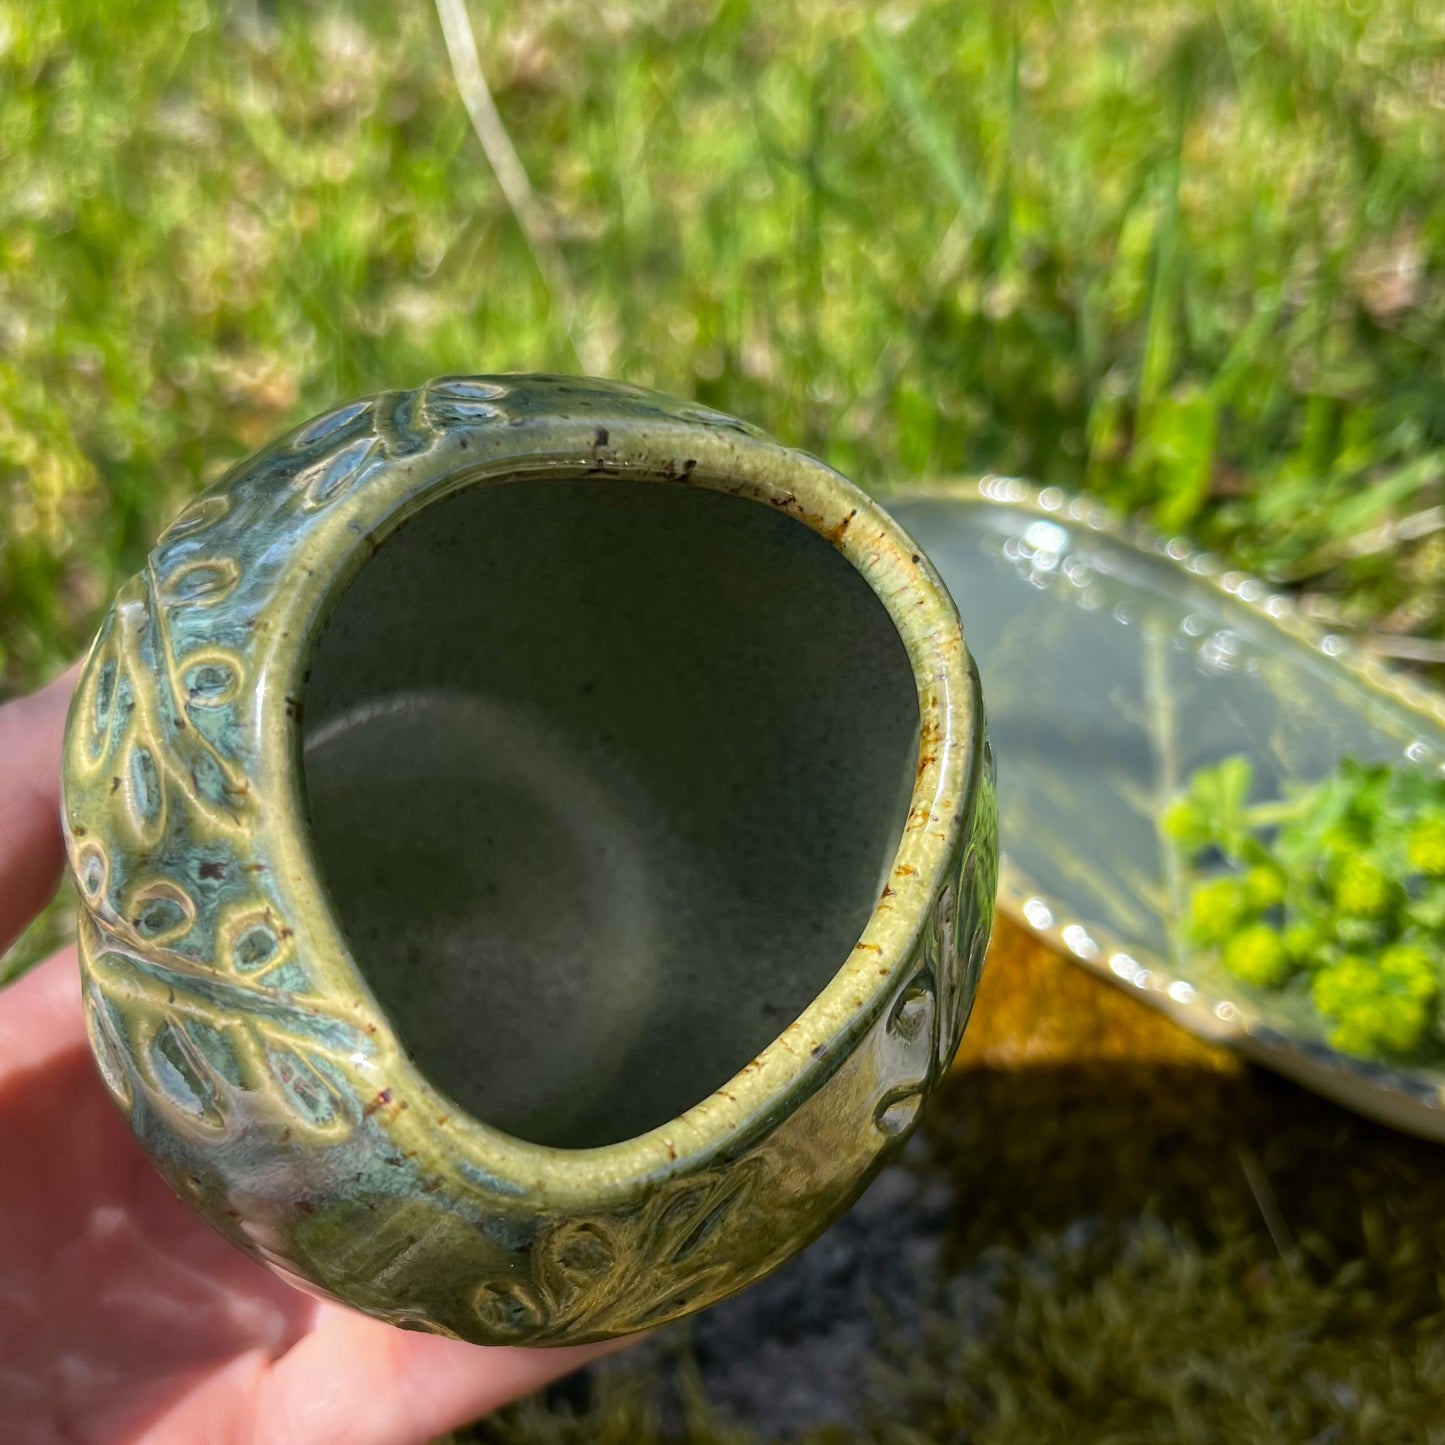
[(1185, 256)]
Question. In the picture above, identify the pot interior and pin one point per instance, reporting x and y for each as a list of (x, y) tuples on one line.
[(603, 780)]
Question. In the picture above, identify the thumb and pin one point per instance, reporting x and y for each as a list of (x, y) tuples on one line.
[(31, 851)]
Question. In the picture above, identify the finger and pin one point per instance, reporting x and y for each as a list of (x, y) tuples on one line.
[(41, 1015), (355, 1381), (30, 844)]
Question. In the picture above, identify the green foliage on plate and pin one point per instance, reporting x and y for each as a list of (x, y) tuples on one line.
[(1336, 892)]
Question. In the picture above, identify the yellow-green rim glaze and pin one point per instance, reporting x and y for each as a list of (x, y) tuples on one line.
[(742, 463)]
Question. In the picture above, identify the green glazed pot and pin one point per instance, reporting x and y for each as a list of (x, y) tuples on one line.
[(536, 843)]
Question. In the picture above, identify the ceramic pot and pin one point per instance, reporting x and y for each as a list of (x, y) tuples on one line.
[(536, 844)]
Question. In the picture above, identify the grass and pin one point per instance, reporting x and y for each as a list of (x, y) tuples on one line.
[(1187, 258)]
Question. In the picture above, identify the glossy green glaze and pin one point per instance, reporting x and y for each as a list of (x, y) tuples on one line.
[(537, 845)]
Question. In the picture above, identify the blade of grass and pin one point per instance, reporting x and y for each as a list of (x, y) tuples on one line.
[(925, 126), (511, 176)]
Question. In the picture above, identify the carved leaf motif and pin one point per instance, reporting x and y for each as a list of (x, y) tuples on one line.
[(462, 401), (311, 1095), (143, 792), (102, 710), (898, 1109), (324, 481), (328, 425), (160, 911), (180, 1076), (206, 981), (201, 583), (508, 1309), (106, 1049), (583, 1252), (201, 515), (91, 869), (638, 1265), (201, 1035), (170, 788), (210, 678), (169, 763)]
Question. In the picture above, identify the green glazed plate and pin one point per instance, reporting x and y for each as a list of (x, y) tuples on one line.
[(1115, 663)]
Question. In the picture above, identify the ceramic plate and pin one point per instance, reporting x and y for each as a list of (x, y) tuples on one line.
[(1114, 663)]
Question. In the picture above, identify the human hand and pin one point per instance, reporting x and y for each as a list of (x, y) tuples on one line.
[(124, 1320)]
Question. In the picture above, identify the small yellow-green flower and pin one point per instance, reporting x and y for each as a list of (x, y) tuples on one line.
[(1257, 955), (1362, 889), (1354, 1037), (1217, 909), (1380, 1029), (1407, 968), (1425, 846), (1305, 945), (1377, 1008), (1185, 824), (1340, 888), (1337, 989), (1264, 886), (1340, 842), (1401, 1023)]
